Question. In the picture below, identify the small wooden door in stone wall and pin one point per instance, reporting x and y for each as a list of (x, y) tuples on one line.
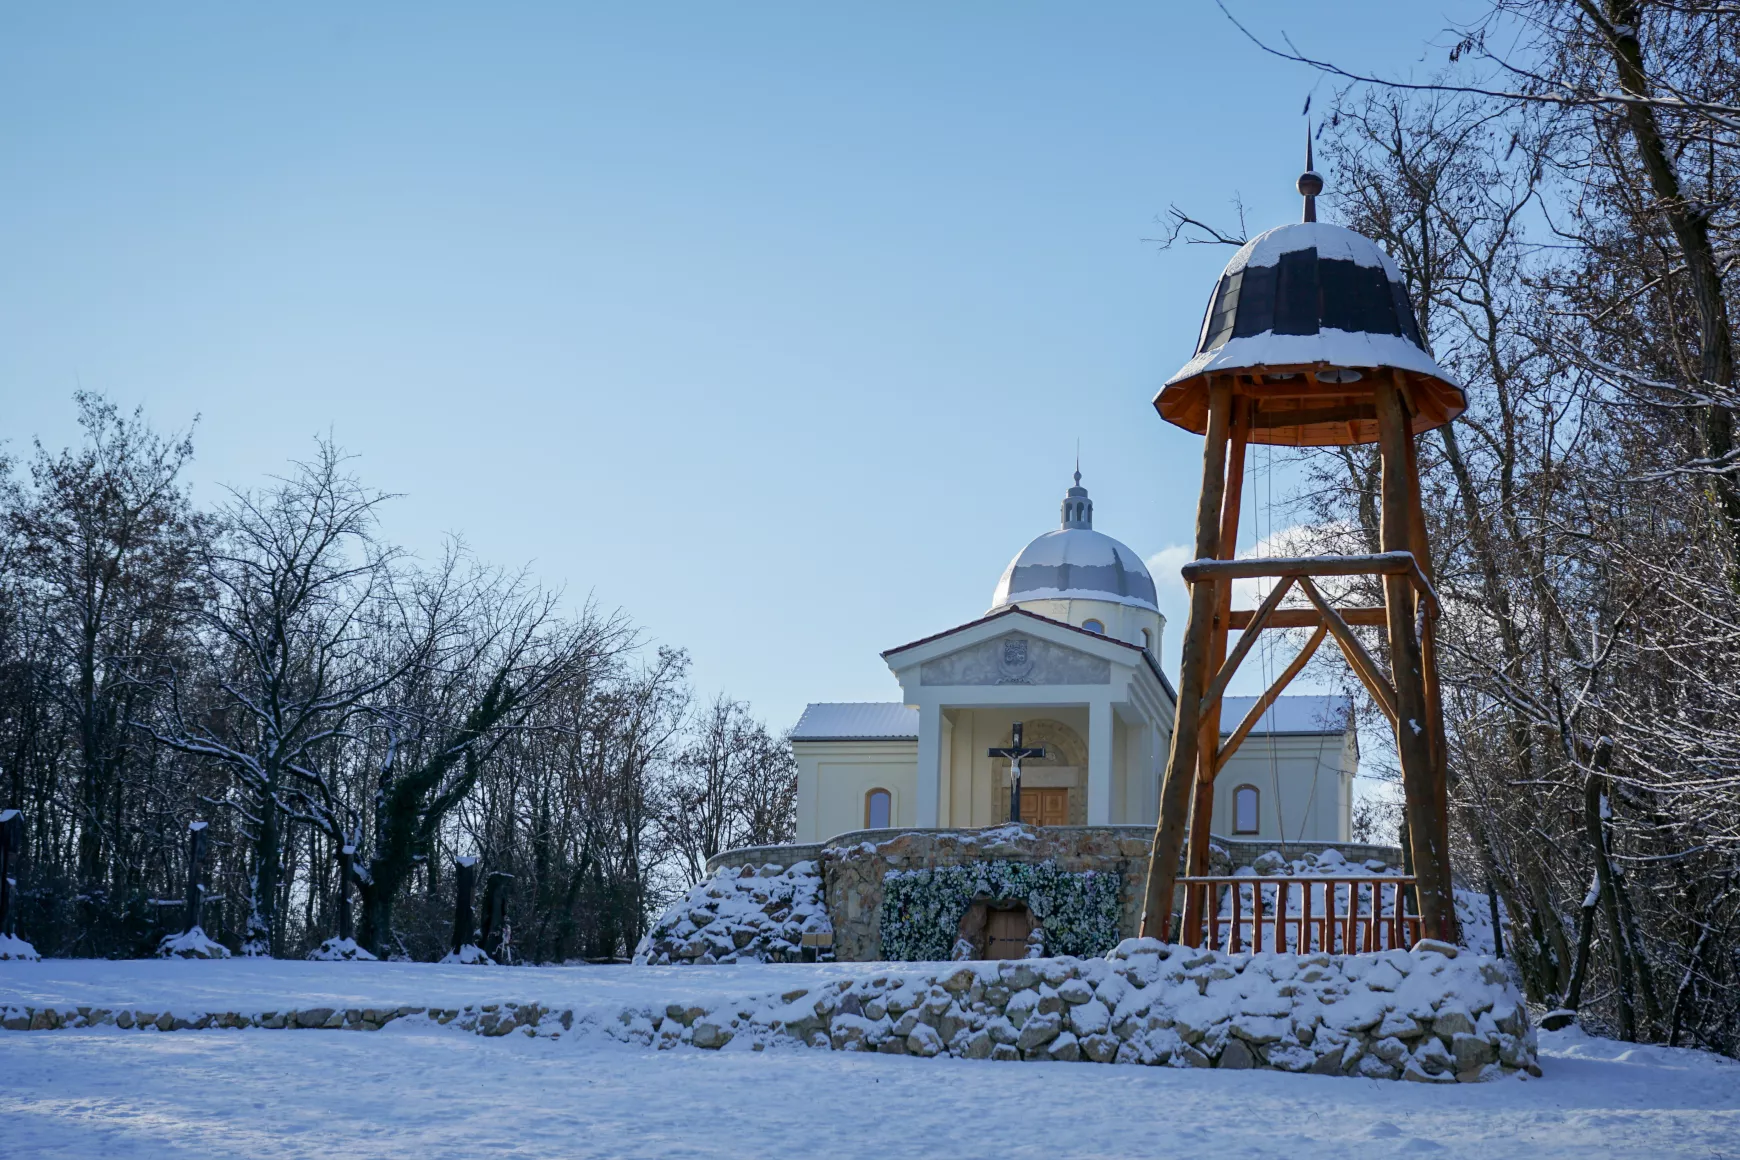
[(1045, 807), (1006, 932)]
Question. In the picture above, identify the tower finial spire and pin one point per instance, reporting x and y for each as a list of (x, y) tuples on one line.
[(1078, 462), (1310, 182)]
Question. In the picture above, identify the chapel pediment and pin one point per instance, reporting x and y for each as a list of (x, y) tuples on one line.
[(1016, 658)]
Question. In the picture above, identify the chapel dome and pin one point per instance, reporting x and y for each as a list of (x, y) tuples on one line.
[(1076, 563)]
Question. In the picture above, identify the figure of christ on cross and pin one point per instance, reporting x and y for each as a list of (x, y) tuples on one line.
[(1014, 752)]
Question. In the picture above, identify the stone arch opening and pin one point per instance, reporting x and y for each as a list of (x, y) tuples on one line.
[(996, 928)]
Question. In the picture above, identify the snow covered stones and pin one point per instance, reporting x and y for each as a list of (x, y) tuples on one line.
[(1426, 1015), (747, 914), (1421, 1015)]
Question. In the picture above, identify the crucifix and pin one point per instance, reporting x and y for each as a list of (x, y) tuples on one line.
[(1014, 752)]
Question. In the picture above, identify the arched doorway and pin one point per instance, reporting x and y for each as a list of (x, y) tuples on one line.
[(997, 929)]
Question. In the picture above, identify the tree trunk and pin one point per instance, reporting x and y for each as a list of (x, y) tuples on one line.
[(262, 927), (1690, 224)]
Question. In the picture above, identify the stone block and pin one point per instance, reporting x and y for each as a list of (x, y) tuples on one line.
[(1038, 1031), (1005, 1051), (1065, 1048), (1090, 1018), (1472, 1052), (1099, 1048), (1186, 1055), (1236, 1056), (960, 981), (314, 1016), (1075, 992), (711, 1035), (924, 1041), (1451, 1023)]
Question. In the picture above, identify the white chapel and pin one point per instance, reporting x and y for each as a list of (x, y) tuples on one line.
[(1069, 649)]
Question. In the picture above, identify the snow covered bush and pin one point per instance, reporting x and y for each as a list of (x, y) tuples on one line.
[(336, 949), (748, 914), (13, 947), (469, 956), (192, 944), (922, 909)]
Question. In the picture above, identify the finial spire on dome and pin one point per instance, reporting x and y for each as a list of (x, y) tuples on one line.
[(1078, 509), (1310, 182)]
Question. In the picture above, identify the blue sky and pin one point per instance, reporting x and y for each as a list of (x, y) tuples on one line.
[(775, 325)]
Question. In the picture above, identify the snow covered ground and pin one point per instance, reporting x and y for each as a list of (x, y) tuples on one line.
[(425, 1091), (279, 984)]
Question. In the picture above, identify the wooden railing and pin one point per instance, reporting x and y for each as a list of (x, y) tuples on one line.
[(1303, 915)]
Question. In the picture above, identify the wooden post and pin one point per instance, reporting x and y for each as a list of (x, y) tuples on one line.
[(1413, 741), (196, 842), (1193, 675), (1422, 550), (462, 921), (1208, 739)]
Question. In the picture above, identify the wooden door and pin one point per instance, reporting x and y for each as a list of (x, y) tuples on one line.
[(1045, 807), (1006, 932)]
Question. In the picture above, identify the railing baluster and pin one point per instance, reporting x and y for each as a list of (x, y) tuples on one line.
[(1237, 906), (1257, 917)]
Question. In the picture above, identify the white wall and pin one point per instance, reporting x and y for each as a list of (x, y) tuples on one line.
[(1314, 775), (835, 776)]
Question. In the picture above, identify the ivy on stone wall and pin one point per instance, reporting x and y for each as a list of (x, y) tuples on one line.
[(922, 909)]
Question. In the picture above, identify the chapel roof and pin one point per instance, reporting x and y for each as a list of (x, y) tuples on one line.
[(1307, 714), (857, 721)]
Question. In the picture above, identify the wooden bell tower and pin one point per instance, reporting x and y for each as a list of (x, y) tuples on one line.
[(1310, 341)]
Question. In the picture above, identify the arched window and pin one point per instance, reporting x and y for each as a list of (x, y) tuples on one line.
[(1245, 813), (878, 804), (1094, 626), (1147, 640)]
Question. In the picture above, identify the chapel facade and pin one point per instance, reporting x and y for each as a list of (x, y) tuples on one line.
[(1069, 649)]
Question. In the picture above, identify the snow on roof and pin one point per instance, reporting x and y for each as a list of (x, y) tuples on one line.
[(1076, 563), (1344, 348), (857, 721), (1332, 243), (1319, 714)]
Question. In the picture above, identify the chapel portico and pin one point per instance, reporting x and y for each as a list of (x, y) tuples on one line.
[(1098, 705)]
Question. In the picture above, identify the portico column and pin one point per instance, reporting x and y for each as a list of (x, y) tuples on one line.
[(929, 763), (1099, 780)]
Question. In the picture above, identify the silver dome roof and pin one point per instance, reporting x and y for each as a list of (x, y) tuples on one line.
[(1076, 563)]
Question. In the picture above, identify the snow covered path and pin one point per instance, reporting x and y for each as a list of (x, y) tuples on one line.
[(429, 1092)]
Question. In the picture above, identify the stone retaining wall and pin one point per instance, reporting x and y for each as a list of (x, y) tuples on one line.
[(1429, 1015), (854, 868)]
